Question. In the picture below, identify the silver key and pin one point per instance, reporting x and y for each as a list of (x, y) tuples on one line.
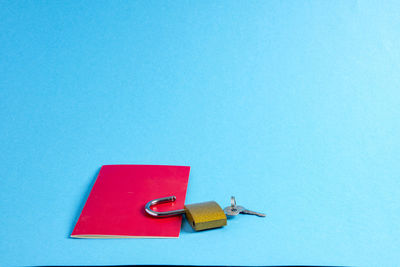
[(250, 212), (234, 210)]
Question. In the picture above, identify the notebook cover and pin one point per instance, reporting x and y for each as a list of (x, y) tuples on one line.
[(115, 206)]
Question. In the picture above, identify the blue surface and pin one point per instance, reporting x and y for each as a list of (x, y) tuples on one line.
[(291, 106)]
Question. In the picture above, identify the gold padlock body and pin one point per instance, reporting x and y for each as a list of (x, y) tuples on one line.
[(205, 215)]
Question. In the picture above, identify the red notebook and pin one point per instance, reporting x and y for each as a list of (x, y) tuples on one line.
[(115, 206)]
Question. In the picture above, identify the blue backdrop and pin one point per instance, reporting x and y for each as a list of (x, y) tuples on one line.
[(291, 106)]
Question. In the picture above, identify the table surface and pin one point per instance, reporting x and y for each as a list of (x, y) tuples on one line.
[(291, 106)]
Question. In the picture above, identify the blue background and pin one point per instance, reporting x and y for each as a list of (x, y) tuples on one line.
[(291, 106)]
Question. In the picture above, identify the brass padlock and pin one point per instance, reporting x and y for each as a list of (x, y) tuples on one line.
[(201, 216), (206, 215)]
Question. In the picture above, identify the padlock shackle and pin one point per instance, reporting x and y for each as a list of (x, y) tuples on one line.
[(162, 213)]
